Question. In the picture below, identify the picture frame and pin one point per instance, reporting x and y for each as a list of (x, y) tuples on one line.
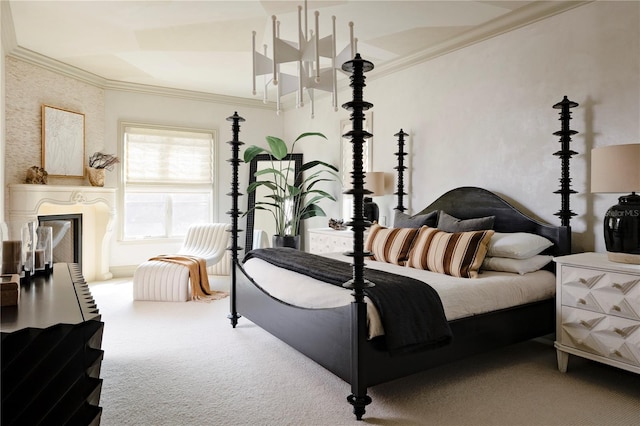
[(63, 142)]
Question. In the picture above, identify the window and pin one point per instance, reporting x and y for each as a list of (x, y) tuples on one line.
[(168, 180)]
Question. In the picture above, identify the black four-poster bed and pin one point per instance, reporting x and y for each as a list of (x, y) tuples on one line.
[(337, 337)]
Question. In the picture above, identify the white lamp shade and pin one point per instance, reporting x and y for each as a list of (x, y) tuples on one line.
[(374, 182), (615, 168)]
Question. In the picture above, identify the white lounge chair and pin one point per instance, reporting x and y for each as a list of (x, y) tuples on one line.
[(164, 281)]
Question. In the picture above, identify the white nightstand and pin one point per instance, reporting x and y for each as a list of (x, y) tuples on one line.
[(598, 311), (327, 240)]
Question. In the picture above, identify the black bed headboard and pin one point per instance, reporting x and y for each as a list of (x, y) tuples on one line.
[(470, 202)]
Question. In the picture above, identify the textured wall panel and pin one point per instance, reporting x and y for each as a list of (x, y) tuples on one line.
[(27, 88)]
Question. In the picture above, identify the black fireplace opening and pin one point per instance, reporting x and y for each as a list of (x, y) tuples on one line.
[(66, 236)]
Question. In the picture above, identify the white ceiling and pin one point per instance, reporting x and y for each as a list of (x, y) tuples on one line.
[(205, 46)]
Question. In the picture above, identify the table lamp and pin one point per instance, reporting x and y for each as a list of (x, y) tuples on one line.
[(616, 169), (374, 182)]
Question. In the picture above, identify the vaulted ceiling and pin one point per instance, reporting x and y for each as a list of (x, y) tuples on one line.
[(206, 46)]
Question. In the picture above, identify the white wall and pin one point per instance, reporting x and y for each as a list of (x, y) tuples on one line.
[(183, 112), (2, 124), (28, 86), (482, 116)]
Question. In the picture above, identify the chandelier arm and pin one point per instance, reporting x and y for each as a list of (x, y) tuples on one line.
[(333, 67), (275, 61), (317, 43), (300, 42), (253, 56), (306, 27), (351, 41), (265, 83)]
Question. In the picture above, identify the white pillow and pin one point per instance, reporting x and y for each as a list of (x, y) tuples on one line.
[(518, 266), (517, 245)]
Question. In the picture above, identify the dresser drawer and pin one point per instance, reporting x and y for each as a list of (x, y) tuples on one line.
[(599, 334), (601, 291)]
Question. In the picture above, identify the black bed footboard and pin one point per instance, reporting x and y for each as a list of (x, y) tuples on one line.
[(321, 334)]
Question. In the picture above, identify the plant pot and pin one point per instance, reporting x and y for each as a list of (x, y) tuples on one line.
[(292, 241), (96, 176)]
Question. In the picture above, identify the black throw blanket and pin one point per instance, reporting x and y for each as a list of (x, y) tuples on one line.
[(411, 311)]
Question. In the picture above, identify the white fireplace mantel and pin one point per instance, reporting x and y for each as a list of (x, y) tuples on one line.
[(96, 204)]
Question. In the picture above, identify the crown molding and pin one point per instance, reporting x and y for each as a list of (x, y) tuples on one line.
[(526, 15), (58, 67), (187, 94), (533, 12), (522, 17)]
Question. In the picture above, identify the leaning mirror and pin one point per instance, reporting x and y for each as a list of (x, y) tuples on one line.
[(260, 223)]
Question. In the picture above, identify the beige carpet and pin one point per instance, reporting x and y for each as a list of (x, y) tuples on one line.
[(182, 364)]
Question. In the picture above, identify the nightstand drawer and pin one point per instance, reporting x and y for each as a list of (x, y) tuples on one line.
[(601, 291), (327, 240), (322, 243), (603, 335), (597, 310)]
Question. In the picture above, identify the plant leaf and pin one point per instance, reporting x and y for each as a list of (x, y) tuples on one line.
[(312, 210), (304, 135), (255, 185), (314, 163), (251, 152), (278, 147)]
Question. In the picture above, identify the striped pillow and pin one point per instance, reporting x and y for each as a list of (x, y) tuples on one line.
[(390, 245), (459, 254)]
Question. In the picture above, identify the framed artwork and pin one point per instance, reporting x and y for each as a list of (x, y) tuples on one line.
[(62, 142)]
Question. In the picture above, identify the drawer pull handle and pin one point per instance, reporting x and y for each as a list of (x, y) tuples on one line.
[(582, 281), (620, 332), (616, 308), (582, 301), (584, 323), (615, 352), (579, 341), (616, 285)]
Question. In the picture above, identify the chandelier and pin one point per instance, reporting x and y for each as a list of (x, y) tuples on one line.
[(304, 56)]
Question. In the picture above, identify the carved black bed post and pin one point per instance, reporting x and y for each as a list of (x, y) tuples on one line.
[(400, 168), (358, 398), (234, 212), (565, 155)]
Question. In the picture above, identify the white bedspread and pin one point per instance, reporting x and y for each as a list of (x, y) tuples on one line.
[(461, 297)]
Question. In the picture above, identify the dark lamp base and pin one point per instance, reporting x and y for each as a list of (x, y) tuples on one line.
[(371, 210), (622, 230)]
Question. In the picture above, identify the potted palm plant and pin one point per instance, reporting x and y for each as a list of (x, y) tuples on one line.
[(292, 195)]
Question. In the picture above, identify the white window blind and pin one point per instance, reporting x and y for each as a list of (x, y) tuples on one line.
[(168, 180), (168, 156)]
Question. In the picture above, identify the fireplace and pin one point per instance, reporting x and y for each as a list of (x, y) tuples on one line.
[(66, 236), (95, 206)]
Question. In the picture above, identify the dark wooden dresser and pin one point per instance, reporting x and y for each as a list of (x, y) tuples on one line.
[(51, 352)]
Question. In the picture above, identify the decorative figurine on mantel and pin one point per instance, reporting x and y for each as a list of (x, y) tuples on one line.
[(98, 163), (37, 175)]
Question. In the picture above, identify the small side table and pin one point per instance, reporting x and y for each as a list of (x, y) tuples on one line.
[(327, 240), (597, 311)]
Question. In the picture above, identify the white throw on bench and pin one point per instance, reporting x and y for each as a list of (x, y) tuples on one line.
[(165, 281)]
